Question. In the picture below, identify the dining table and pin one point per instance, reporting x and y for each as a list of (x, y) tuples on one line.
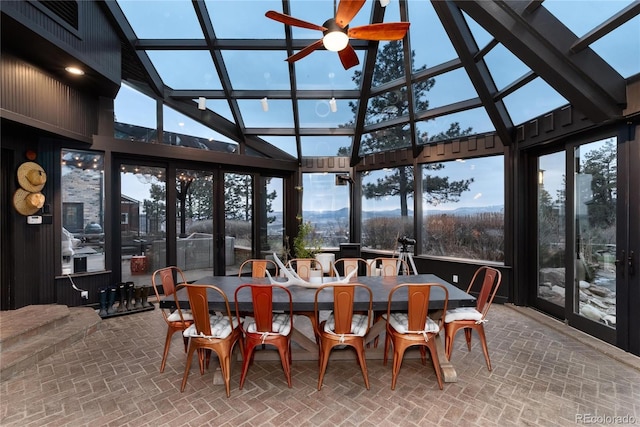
[(304, 346)]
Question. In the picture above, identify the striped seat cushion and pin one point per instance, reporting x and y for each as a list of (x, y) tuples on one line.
[(400, 322), (220, 327), (281, 324), (175, 316), (359, 325)]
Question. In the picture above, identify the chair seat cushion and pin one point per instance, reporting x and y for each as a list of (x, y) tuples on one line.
[(400, 322), (220, 327), (462, 313), (359, 325), (281, 324), (175, 316)]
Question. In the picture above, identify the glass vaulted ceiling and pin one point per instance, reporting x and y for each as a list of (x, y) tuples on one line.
[(461, 79)]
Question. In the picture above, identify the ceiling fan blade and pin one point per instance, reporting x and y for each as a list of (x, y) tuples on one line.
[(347, 10), (384, 31), (348, 57), (306, 51), (290, 20)]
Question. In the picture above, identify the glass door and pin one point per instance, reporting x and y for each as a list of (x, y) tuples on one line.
[(238, 220), (194, 223), (587, 237), (551, 232), (143, 221), (593, 295)]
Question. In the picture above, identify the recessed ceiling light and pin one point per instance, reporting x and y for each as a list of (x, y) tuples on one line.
[(75, 70)]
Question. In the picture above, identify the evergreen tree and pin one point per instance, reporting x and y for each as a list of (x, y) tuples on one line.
[(390, 66)]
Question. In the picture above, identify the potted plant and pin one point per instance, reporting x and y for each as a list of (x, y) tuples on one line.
[(305, 244)]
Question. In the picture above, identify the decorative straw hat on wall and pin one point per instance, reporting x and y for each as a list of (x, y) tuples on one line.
[(31, 177), (27, 203)]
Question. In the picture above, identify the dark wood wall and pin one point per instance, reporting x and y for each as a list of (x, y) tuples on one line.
[(43, 109)]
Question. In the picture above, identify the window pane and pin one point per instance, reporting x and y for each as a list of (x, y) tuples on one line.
[(551, 227), (194, 207), (143, 220), (387, 207), (238, 224), (325, 203), (135, 116), (82, 185), (463, 204), (272, 211)]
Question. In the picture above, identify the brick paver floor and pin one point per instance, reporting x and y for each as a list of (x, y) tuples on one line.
[(541, 376)]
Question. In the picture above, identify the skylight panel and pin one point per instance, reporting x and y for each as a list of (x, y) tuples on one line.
[(464, 123), (447, 88), (326, 145), (429, 40), (532, 100), (319, 113), (174, 19), (621, 48), (256, 69), (504, 66), (197, 70), (278, 115), (322, 70), (244, 19)]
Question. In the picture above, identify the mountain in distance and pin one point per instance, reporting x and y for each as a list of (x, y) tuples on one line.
[(314, 216)]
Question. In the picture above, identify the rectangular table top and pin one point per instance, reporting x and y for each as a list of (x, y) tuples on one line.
[(303, 297)]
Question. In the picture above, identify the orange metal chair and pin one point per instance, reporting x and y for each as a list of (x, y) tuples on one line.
[(485, 282), (178, 320), (347, 265), (304, 266), (217, 332), (390, 266), (265, 326), (413, 328), (343, 327), (259, 267)]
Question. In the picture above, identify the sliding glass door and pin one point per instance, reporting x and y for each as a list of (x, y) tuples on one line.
[(587, 238)]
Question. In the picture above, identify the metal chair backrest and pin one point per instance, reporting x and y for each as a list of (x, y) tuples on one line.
[(418, 298), (347, 265), (343, 301), (485, 282), (259, 267), (199, 305), (304, 266), (262, 303)]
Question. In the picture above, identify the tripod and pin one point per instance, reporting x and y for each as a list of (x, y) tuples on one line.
[(407, 256)]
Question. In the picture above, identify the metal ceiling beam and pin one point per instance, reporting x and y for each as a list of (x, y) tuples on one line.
[(626, 14), (209, 35), (543, 43), (465, 45), (377, 15), (154, 82)]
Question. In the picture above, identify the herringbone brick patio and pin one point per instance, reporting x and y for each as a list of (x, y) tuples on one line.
[(542, 376)]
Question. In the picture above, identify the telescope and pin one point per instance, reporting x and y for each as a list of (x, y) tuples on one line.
[(406, 241)]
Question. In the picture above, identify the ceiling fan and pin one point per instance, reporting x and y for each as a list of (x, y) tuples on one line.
[(336, 31)]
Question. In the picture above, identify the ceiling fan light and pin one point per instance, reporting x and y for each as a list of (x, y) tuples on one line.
[(335, 40)]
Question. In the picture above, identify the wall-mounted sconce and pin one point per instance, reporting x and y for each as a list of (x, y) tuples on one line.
[(265, 104), (333, 105), (202, 103)]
